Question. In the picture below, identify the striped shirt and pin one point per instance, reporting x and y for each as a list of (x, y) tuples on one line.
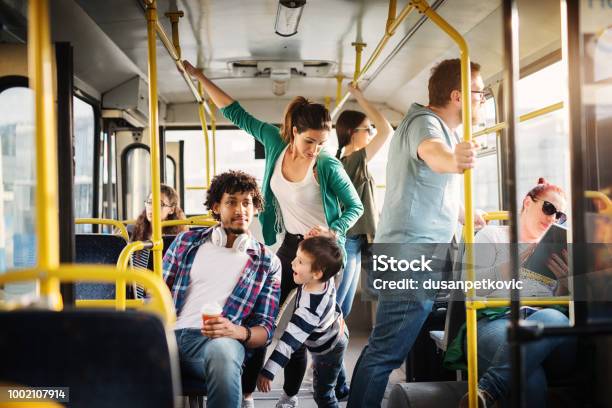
[(140, 260), (316, 323), (254, 300)]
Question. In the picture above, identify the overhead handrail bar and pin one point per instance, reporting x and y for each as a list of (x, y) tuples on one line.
[(176, 56), (160, 302), (393, 21), (40, 67), (468, 229), (523, 118), (156, 236), (119, 225)]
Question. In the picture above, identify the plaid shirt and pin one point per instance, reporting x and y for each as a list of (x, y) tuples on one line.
[(254, 300)]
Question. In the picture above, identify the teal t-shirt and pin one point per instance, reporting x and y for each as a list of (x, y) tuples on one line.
[(421, 206)]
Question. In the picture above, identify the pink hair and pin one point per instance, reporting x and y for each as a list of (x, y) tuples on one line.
[(542, 188)]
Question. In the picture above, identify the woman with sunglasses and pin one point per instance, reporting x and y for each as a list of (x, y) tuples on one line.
[(542, 206)]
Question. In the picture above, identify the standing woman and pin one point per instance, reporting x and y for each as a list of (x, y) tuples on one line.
[(354, 131), (304, 187)]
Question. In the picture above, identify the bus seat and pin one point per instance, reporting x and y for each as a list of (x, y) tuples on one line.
[(97, 249), (105, 358), (427, 394)]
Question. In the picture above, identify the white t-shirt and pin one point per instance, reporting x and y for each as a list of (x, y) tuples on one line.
[(214, 274), (300, 202)]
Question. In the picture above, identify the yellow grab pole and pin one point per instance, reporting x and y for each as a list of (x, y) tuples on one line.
[(327, 102), (213, 128), (154, 139), (204, 125), (359, 46), (393, 22), (40, 66), (469, 210), (120, 226), (174, 17)]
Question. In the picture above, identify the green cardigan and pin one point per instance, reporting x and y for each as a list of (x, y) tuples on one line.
[(336, 187)]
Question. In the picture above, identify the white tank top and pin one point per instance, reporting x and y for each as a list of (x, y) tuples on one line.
[(300, 202)]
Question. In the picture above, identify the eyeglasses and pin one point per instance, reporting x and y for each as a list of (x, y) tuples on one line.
[(483, 94), (549, 208), (149, 203), (369, 129)]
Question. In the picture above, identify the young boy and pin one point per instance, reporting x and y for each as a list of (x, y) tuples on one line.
[(316, 322)]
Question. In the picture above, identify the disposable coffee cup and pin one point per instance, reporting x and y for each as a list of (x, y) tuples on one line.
[(210, 311)]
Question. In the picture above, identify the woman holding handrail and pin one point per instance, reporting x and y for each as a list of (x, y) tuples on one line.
[(304, 187), (542, 207)]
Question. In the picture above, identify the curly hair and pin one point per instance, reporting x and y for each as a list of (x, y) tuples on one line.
[(230, 182), (142, 227)]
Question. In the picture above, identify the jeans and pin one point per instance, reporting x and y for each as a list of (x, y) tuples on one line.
[(326, 368), (216, 362), (398, 324), (350, 277), (550, 356)]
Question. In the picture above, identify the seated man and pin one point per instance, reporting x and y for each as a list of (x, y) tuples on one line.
[(223, 265)]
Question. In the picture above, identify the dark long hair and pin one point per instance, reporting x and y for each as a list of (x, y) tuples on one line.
[(345, 127), (304, 115), (142, 228)]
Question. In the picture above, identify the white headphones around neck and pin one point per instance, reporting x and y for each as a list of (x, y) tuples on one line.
[(219, 238)]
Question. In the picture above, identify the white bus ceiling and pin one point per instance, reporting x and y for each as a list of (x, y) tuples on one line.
[(215, 33)]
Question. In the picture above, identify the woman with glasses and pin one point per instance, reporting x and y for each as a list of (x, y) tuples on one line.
[(360, 143), (142, 230), (170, 210), (548, 358)]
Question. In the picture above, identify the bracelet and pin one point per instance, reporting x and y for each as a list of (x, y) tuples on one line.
[(248, 337)]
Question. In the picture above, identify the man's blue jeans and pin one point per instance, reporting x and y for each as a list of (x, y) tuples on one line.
[(350, 276), (398, 324), (549, 356), (217, 362), (326, 368)]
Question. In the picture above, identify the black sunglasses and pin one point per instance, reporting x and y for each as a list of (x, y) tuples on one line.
[(549, 208)]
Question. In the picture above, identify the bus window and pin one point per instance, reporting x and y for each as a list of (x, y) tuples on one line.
[(545, 136), (170, 172), (486, 173), (137, 180), (18, 181), (84, 162), (235, 151)]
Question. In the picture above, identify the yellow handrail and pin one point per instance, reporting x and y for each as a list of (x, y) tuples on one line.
[(213, 128), (40, 67), (205, 220), (152, 24), (123, 263), (393, 22), (598, 195), (523, 118), (204, 126), (503, 302), (120, 225), (466, 99), (497, 216), (160, 303)]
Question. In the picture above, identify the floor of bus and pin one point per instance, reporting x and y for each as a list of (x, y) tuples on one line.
[(356, 343)]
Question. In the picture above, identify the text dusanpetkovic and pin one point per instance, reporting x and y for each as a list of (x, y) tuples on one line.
[(435, 284)]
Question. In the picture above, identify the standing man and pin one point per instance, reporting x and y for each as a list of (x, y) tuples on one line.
[(224, 266), (422, 206)]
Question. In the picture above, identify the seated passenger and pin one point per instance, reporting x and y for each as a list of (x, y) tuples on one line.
[(317, 320), (223, 265), (170, 210), (142, 229), (553, 356)]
